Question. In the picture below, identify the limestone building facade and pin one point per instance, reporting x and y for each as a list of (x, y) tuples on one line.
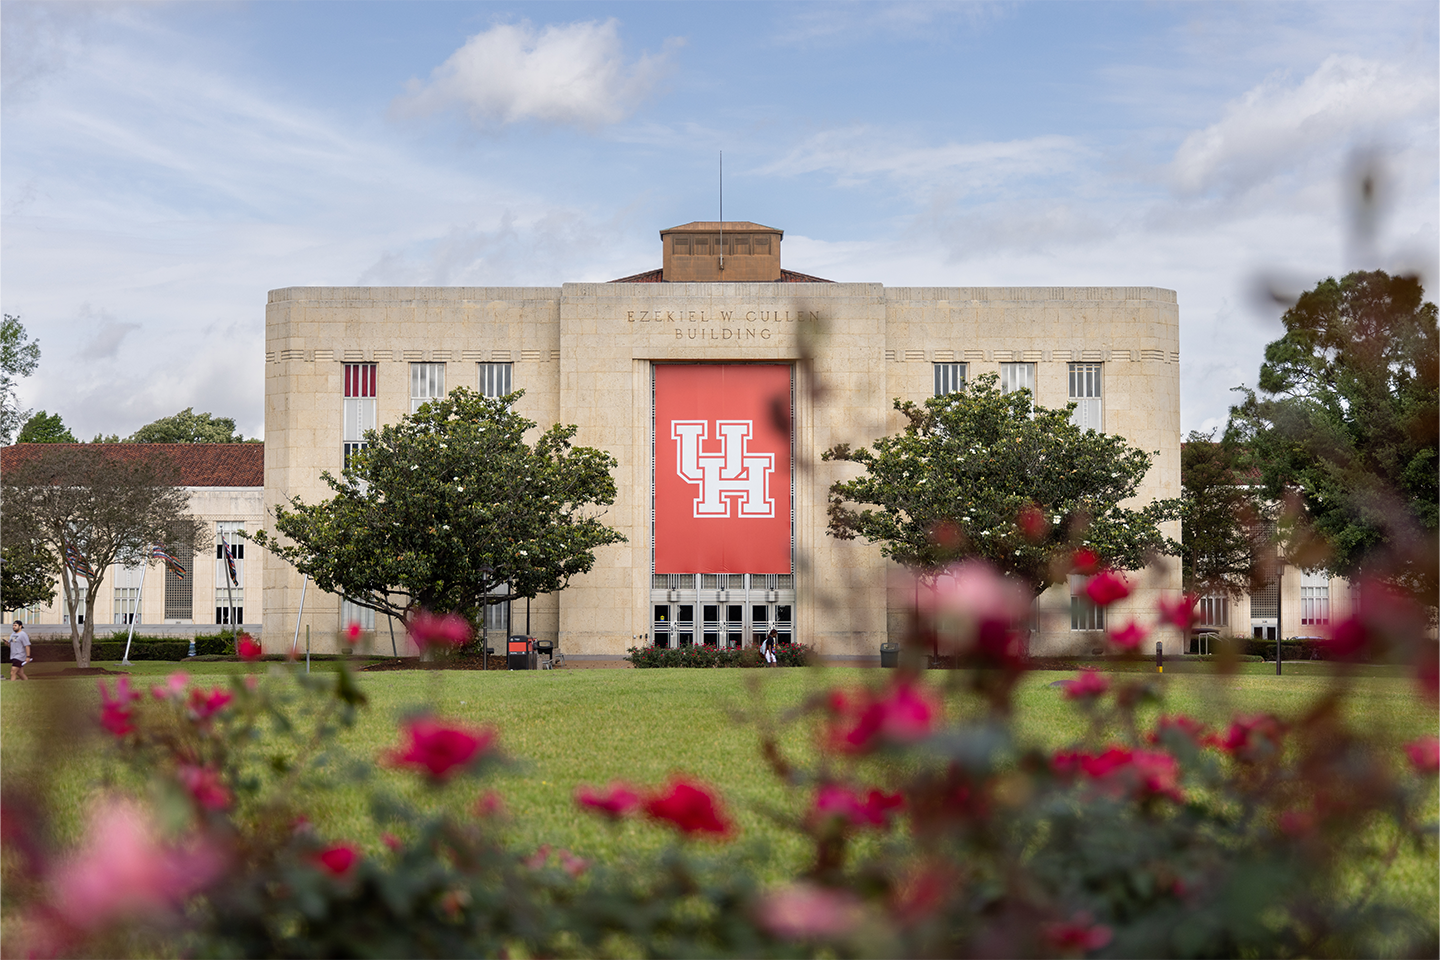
[(603, 355)]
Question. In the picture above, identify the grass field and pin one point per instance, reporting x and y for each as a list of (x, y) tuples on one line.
[(572, 727)]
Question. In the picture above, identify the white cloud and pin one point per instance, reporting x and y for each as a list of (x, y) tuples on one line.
[(1275, 125), (857, 154), (573, 73)]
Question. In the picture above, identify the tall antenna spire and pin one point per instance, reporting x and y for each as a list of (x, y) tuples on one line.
[(722, 211)]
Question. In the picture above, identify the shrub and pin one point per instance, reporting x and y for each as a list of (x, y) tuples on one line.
[(141, 648), (786, 655)]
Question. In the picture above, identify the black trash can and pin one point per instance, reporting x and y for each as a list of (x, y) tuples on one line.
[(546, 649), (889, 654), (518, 654)]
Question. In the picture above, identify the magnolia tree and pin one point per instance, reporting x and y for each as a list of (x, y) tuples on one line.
[(990, 475), (450, 509)]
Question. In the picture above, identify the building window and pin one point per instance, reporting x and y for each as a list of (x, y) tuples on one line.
[(427, 382), (1213, 611), (1017, 376), (229, 572), (1085, 614), (180, 590), (495, 379), (127, 592), (82, 591), (359, 406), (1315, 598), (354, 613), (680, 246), (949, 378), (1085, 394)]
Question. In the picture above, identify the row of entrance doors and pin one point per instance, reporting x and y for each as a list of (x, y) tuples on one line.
[(721, 624)]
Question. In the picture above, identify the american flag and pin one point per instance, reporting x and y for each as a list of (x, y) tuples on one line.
[(160, 553), (229, 561), (78, 563)]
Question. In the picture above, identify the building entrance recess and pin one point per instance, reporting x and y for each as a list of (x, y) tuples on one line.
[(722, 610)]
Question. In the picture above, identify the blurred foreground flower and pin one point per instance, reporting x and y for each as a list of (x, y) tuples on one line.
[(115, 713), (1106, 587), (440, 750), (247, 648), (834, 802), (1088, 684), (616, 801), (804, 911), (430, 630), (123, 871), (971, 608), (692, 808), (862, 720), (339, 859), (1424, 754)]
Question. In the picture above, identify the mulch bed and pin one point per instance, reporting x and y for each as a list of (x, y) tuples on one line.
[(455, 661), (78, 672)]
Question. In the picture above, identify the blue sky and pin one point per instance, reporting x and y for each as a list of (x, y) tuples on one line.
[(164, 165)]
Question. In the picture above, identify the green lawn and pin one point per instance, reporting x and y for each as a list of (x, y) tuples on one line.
[(571, 727)]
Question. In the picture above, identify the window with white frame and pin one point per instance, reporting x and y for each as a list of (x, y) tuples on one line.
[(359, 403), (1085, 394), (127, 592), (229, 572), (1314, 598), (497, 615), (949, 378), (1017, 376), (427, 382), (1085, 614), (354, 613), (495, 379), (1213, 610), (30, 614)]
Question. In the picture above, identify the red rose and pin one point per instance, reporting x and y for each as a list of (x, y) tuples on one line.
[(1032, 523), (115, 714), (338, 859), (905, 714), (1129, 636), (205, 786), (248, 648), (205, 705), (1079, 934), (1180, 613), (1106, 587), (1085, 561), (1087, 684), (691, 808), (1188, 726), (617, 801), (440, 750), (1251, 738), (352, 633), (1424, 754), (837, 802)]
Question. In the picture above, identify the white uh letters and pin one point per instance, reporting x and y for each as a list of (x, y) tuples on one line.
[(733, 473)]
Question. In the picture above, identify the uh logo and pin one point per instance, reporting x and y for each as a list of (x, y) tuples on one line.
[(735, 473)]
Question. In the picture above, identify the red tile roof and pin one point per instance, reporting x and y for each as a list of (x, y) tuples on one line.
[(200, 464), (656, 276)]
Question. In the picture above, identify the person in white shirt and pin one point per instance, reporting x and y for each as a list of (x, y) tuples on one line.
[(19, 651)]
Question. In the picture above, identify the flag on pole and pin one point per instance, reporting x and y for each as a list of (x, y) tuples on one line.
[(76, 562), (229, 561), (174, 565)]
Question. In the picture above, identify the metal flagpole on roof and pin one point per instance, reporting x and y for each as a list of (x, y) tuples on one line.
[(230, 585), (722, 211)]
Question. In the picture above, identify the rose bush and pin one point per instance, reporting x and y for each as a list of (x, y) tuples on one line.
[(936, 828)]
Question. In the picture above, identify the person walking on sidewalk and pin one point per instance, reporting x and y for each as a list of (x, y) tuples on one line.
[(19, 651), (770, 640)]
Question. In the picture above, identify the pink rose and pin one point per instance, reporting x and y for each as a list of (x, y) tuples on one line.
[(692, 808), (1106, 587), (1087, 685), (339, 859), (1129, 636), (1424, 754), (205, 786), (247, 648), (618, 800), (804, 911), (432, 630)]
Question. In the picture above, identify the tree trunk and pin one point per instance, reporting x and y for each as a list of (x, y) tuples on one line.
[(87, 635), (69, 583)]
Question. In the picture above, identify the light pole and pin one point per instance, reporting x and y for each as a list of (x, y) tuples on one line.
[(1279, 608), (486, 572)]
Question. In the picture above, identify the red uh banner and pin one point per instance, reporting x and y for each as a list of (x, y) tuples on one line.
[(722, 468)]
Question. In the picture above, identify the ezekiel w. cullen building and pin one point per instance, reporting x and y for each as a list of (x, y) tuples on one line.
[(716, 381)]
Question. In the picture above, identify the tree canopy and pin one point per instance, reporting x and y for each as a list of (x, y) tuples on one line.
[(1344, 426), (19, 356), (187, 426), (99, 508), (980, 473), (1222, 518), (45, 428), (27, 575), (450, 509)]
